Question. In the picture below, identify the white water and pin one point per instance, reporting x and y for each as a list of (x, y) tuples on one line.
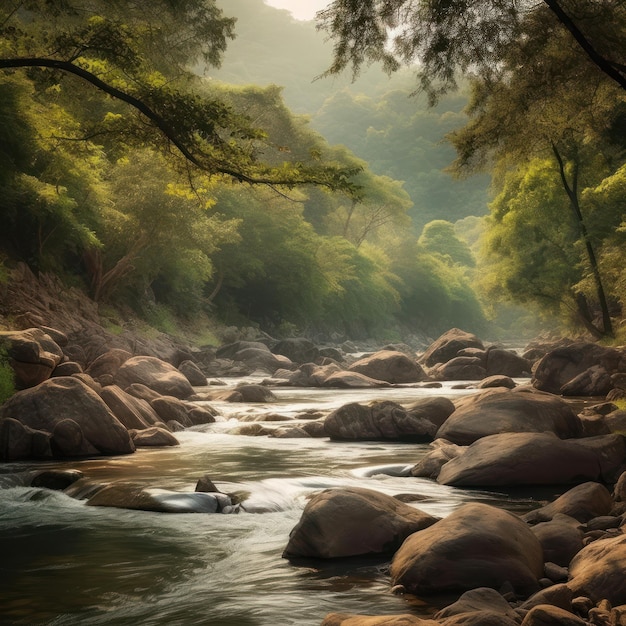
[(62, 562)]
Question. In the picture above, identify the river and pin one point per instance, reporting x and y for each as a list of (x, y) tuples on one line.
[(65, 563)]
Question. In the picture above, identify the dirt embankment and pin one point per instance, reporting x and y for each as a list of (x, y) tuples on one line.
[(28, 301)]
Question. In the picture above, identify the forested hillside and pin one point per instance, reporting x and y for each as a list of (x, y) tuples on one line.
[(133, 166), (187, 195)]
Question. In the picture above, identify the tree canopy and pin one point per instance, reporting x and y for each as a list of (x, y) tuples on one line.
[(139, 54)]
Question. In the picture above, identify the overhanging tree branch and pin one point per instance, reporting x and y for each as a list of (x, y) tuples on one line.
[(609, 68), (170, 133)]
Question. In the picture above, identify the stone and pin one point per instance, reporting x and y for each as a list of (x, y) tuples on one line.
[(496, 380), (520, 459), (193, 374), (477, 545), (352, 521), (297, 349), (597, 571), (129, 496), (57, 399), (563, 364), (133, 412), (506, 363), (430, 465), (255, 393), (378, 421), (33, 355), (594, 381), (485, 601), (155, 374), (460, 368), (448, 345), (108, 363), (68, 440), (352, 380), (548, 615), (153, 437), (583, 502), (560, 541), (348, 619), (504, 410), (391, 366), (66, 369), (18, 442), (557, 595), (57, 480)]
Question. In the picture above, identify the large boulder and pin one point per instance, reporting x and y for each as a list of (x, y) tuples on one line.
[(312, 375), (108, 363), (193, 373), (460, 368), (18, 442), (353, 521), (561, 539), (449, 345), (502, 410), (475, 546), (520, 459), (33, 355), (155, 374), (560, 366), (392, 366), (68, 398), (297, 349), (131, 411), (507, 363), (262, 359), (583, 502), (379, 420), (597, 571)]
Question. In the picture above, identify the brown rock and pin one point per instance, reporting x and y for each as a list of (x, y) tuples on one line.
[(548, 615), (353, 521), (560, 366), (475, 546), (155, 374), (448, 345), (391, 366), (378, 421), (504, 410), (583, 502), (42, 407), (520, 459), (153, 437), (33, 355), (132, 412), (348, 619)]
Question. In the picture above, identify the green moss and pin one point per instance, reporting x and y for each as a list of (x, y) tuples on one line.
[(7, 377)]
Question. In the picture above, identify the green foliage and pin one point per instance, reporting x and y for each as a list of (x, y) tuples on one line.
[(7, 377), (439, 237), (399, 137), (138, 55)]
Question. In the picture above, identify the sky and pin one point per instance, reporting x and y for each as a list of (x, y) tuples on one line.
[(300, 9)]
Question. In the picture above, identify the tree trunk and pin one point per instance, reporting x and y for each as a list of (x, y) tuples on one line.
[(572, 193)]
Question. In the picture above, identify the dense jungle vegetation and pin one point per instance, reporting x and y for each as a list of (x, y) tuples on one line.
[(178, 157)]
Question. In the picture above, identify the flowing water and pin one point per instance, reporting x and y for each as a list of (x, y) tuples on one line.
[(65, 563)]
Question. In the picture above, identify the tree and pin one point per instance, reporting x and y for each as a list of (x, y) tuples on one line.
[(138, 54), (453, 37), (439, 237)]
